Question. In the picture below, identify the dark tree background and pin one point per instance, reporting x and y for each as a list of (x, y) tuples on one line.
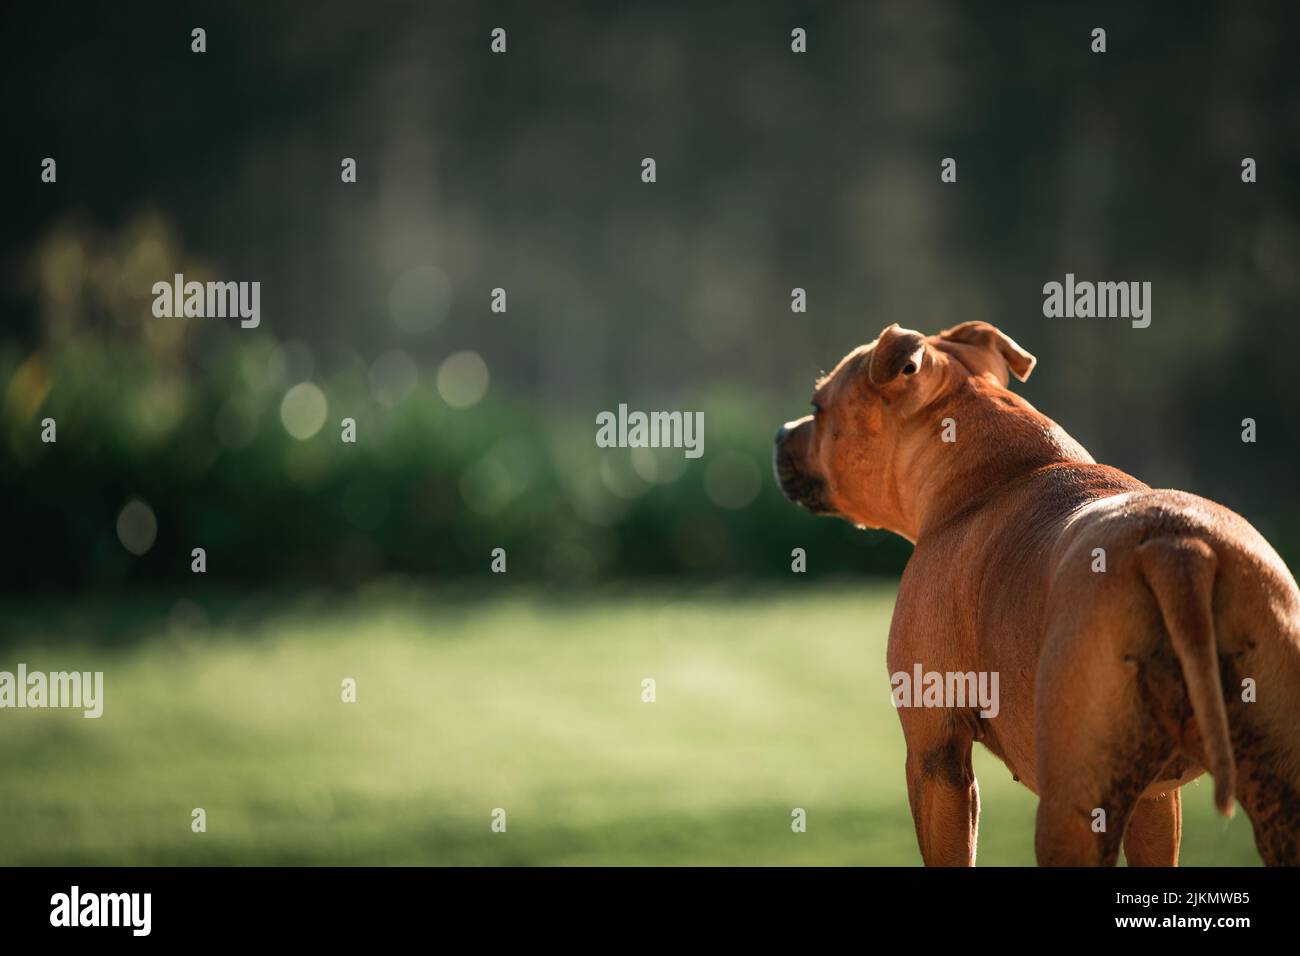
[(522, 171)]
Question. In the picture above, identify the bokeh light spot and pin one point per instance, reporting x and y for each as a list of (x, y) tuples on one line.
[(303, 410), (463, 379), (137, 528)]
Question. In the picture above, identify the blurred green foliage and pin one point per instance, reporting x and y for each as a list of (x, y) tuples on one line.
[(426, 490)]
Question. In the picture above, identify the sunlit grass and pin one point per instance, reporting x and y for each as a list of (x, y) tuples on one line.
[(766, 701)]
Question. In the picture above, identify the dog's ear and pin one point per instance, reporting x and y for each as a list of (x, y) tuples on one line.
[(897, 352), (992, 339)]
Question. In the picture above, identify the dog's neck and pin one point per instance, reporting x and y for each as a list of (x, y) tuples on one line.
[(999, 438)]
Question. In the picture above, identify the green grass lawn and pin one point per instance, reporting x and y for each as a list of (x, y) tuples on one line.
[(767, 700)]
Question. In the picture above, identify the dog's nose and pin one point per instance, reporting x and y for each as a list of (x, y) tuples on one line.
[(780, 433)]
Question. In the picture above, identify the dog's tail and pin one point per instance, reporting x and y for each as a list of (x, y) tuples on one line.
[(1180, 572)]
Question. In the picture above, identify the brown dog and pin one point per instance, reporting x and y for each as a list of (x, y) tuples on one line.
[(1140, 636)]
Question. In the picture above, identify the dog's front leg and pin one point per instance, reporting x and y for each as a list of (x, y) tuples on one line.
[(944, 796)]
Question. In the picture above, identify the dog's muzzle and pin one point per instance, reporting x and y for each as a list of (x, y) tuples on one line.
[(807, 491)]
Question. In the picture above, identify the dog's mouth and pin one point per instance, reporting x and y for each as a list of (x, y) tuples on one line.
[(805, 490)]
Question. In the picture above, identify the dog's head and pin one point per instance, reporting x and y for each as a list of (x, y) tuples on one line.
[(846, 457)]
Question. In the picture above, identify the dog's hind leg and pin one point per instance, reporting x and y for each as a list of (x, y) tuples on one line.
[(1261, 688), (1099, 740), (1082, 817), (1154, 830), (1268, 752), (1242, 688), (1273, 805)]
